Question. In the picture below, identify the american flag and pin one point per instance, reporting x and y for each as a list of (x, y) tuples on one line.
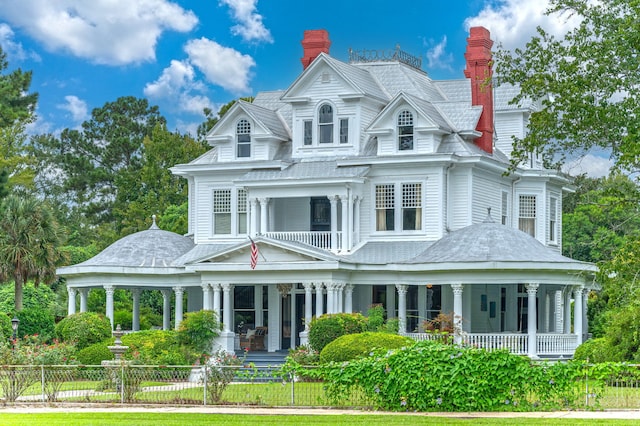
[(254, 255)]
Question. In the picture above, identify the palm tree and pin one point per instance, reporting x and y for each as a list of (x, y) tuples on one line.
[(29, 237)]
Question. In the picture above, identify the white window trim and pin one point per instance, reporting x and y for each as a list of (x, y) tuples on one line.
[(250, 138), (397, 208), (535, 216), (396, 132), (234, 214), (315, 125), (556, 228)]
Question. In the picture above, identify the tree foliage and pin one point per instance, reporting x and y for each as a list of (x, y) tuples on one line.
[(16, 103), (587, 82)]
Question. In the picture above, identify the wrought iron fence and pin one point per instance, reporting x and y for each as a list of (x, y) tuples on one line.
[(235, 385)]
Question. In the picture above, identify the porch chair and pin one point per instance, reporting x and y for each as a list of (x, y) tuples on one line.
[(254, 339)]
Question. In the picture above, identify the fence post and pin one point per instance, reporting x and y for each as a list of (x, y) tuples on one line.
[(205, 373), (292, 377), (122, 382), (42, 381)]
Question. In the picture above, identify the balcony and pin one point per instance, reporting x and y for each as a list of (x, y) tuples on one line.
[(320, 239)]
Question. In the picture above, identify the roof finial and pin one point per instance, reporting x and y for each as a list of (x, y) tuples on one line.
[(153, 225), (488, 219)]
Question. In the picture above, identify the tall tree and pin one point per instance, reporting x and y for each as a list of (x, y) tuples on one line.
[(211, 119), (29, 238), (587, 82), (15, 156), (16, 103)]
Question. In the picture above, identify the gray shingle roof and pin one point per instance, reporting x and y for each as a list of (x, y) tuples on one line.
[(383, 252), (360, 78), (201, 251), (396, 77), (268, 118)]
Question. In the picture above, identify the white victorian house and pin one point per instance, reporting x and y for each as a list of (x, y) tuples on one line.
[(365, 182)]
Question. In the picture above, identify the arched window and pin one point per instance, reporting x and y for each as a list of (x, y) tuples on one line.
[(325, 124), (243, 139), (405, 131)]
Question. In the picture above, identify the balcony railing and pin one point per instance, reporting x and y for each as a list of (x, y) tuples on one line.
[(549, 344), (315, 238)]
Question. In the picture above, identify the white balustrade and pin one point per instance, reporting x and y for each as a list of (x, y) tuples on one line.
[(318, 239)]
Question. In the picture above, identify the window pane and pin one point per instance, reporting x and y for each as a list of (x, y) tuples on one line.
[(344, 130), (243, 297), (385, 204), (308, 137), (222, 223), (326, 133), (325, 124), (326, 114), (405, 131), (222, 211), (243, 138), (527, 214), (411, 206)]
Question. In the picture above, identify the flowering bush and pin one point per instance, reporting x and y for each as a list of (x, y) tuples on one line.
[(83, 329), (220, 369)]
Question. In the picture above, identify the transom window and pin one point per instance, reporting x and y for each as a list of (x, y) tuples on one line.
[(325, 124), (527, 214), (405, 131), (243, 139), (399, 207)]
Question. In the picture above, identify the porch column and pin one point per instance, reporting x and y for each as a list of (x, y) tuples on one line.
[(109, 289), (585, 320), (330, 293), (179, 292), (253, 206), (402, 308), (558, 311), (344, 244), (83, 298), (457, 312), (546, 311), (308, 300), (319, 308), (264, 202), (257, 294), (71, 303), (226, 308), (577, 313), (135, 317), (340, 297), (567, 310), (334, 223), (166, 309), (356, 221), (206, 297), (216, 299), (532, 320), (348, 298)]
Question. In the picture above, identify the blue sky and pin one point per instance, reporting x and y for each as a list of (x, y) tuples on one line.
[(183, 55)]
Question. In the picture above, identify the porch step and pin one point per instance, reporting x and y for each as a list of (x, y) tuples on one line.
[(266, 359)]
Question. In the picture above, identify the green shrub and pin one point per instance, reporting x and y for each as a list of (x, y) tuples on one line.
[(5, 326), (595, 350), (124, 318), (198, 330), (84, 329), (352, 346), (157, 347), (327, 328), (96, 353), (375, 318), (36, 322)]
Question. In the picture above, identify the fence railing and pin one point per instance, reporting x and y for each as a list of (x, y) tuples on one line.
[(218, 385), (320, 239)]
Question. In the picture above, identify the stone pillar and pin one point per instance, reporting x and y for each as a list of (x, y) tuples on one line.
[(135, 316), (308, 309), (71, 303), (532, 290), (567, 310), (206, 296), (166, 309), (179, 292), (226, 308), (334, 225), (216, 300), (344, 244), (402, 308), (109, 290), (264, 205), (457, 312), (84, 292), (319, 298), (348, 300), (577, 313)]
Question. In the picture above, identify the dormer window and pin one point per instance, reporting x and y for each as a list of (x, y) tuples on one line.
[(405, 131), (243, 139), (325, 124)]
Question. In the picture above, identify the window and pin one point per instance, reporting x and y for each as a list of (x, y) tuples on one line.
[(222, 211), (385, 201), (243, 139), (308, 132), (527, 214), (405, 131), (407, 209), (505, 208), (411, 206), (553, 220), (325, 124), (344, 130), (242, 211)]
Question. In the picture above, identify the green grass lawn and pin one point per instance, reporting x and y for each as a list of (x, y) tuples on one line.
[(141, 419)]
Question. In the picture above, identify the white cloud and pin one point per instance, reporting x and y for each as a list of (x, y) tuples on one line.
[(14, 50), (113, 32), (223, 66), (437, 56), (513, 22), (76, 107), (593, 165), (250, 26), (178, 84)]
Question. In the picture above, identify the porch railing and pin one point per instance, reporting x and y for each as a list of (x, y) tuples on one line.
[(320, 239), (517, 343)]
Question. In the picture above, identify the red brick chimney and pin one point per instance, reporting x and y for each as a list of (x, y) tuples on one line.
[(314, 42), (478, 56)]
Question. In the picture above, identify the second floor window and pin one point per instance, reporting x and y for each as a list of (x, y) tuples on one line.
[(399, 207), (505, 209), (553, 220), (243, 139), (222, 211), (242, 211), (405, 131), (527, 214), (325, 124)]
